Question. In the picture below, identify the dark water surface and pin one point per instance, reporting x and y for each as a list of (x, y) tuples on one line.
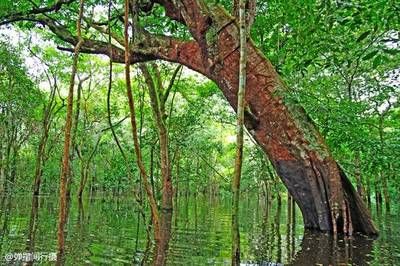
[(109, 231)]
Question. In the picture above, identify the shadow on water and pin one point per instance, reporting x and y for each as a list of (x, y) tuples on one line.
[(323, 249), (108, 231)]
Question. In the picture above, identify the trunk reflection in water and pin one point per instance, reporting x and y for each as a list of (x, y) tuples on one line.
[(322, 249), (33, 221), (107, 230)]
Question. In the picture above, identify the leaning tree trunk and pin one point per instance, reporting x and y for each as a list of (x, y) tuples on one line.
[(278, 123), (282, 128)]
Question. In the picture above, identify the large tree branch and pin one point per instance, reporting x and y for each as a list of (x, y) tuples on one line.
[(149, 47), (35, 11)]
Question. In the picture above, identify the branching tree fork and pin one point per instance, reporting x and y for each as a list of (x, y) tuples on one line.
[(158, 97)]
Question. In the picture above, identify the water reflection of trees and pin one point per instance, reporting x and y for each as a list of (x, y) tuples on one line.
[(199, 233), (273, 245), (278, 243)]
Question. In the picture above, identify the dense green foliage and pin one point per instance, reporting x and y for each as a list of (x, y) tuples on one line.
[(340, 59)]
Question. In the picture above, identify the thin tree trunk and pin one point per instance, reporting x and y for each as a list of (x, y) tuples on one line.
[(385, 190), (277, 223), (14, 166), (85, 171), (288, 228), (152, 170), (382, 175), (139, 161), (43, 142), (33, 224), (82, 173), (38, 166), (2, 168), (378, 194), (158, 112), (110, 80), (358, 176), (67, 142), (239, 135), (293, 224), (7, 161), (369, 192), (177, 175), (158, 108), (75, 134), (158, 97)]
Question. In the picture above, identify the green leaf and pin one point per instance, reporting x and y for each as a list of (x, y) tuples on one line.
[(391, 51), (363, 36), (377, 61), (370, 55), (307, 62)]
